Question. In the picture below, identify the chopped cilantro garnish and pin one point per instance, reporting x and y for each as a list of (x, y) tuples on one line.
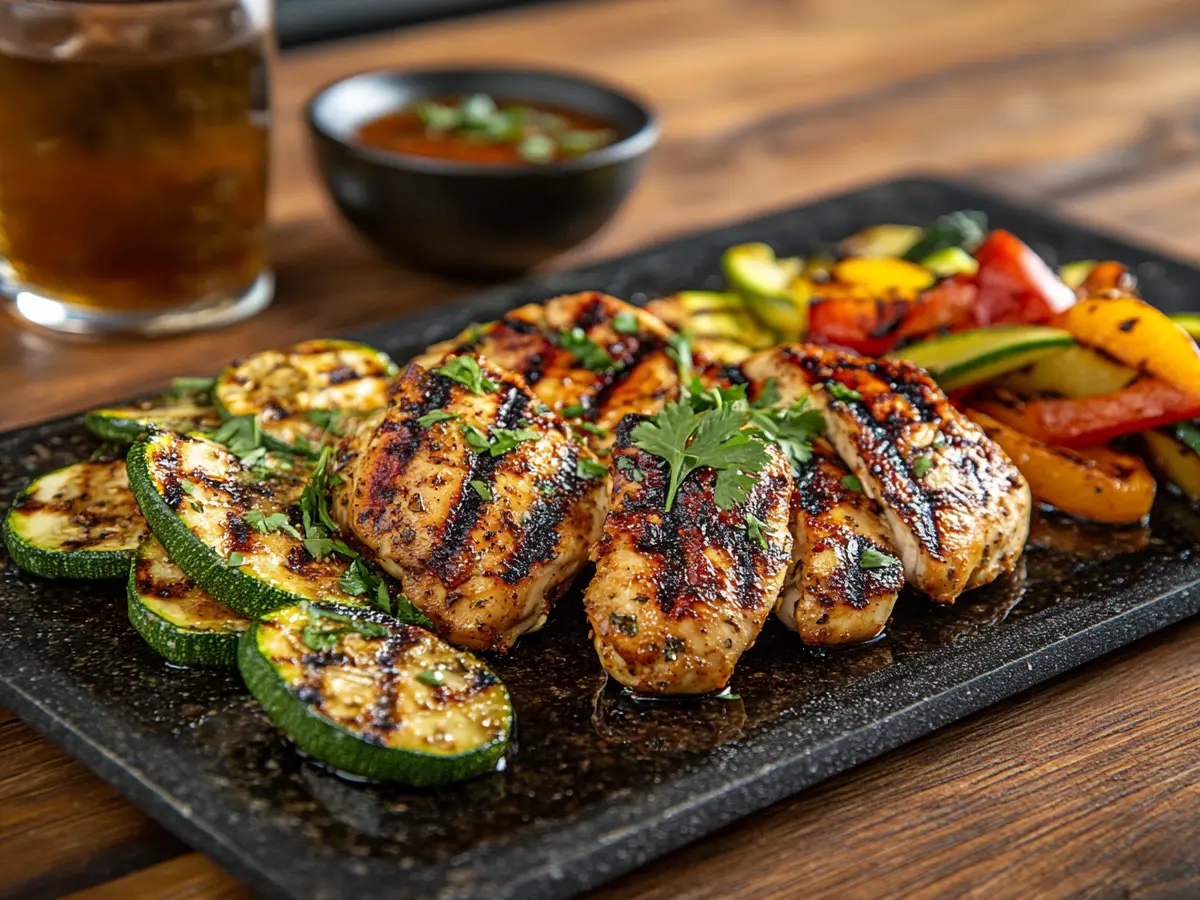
[(499, 440), (592, 428), (921, 465), (476, 439), (572, 411), (625, 323), (277, 521), (757, 529), (187, 487), (629, 467), (839, 391), (589, 468), (626, 624), (465, 370), (406, 612), (482, 489), (851, 483), (431, 677), (325, 627), (590, 354), (358, 580), (438, 415), (673, 646), (875, 559), (241, 435), (235, 559)]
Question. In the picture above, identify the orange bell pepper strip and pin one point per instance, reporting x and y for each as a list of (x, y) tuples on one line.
[(1109, 279), (1089, 421), (1139, 335), (1096, 483)]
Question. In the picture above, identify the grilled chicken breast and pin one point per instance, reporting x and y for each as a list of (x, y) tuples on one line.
[(846, 575), (616, 363), (678, 596), (957, 507), (485, 540)]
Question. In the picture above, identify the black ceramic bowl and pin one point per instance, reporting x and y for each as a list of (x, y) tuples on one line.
[(475, 218)]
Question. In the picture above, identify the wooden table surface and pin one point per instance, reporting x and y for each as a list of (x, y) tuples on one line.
[(1086, 787)]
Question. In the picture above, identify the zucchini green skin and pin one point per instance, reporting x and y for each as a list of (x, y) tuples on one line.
[(281, 387), (167, 412), (80, 518), (966, 358), (355, 745), (155, 584), (277, 571)]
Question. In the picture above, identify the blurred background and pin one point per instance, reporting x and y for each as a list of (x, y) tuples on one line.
[(307, 21)]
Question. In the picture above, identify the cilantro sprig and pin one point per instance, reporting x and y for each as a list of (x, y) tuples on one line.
[(717, 438), (719, 428)]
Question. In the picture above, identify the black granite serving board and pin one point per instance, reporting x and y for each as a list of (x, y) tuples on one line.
[(595, 785)]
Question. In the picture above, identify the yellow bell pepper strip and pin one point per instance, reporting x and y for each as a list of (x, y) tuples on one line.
[(1139, 335), (1178, 460), (1090, 421), (1072, 372), (884, 278), (1097, 483)]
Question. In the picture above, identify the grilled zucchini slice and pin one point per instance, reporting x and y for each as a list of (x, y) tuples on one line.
[(77, 522), (179, 410), (966, 358), (372, 697), (178, 619), (304, 396), (201, 502)]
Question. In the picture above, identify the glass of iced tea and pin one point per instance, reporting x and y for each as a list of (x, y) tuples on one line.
[(133, 162)]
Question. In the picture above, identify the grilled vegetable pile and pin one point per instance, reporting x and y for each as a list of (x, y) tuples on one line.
[(219, 520), (1071, 372)]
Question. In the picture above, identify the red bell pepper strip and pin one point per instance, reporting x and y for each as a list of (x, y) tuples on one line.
[(1089, 421), (1015, 285)]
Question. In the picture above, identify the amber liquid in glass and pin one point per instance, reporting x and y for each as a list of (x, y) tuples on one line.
[(134, 186)]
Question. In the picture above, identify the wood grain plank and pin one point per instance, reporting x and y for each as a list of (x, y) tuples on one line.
[(62, 828), (189, 877)]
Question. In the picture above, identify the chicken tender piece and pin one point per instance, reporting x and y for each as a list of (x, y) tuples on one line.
[(957, 507), (678, 596), (480, 503), (846, 575), (590, 357)]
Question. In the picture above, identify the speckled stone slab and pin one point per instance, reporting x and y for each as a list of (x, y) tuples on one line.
[(595, 784)]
